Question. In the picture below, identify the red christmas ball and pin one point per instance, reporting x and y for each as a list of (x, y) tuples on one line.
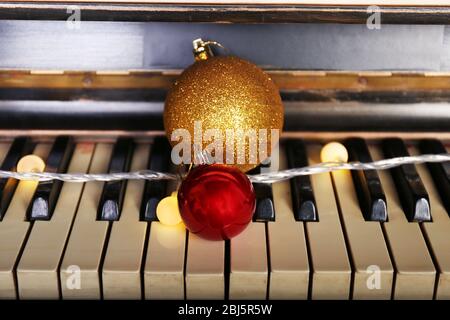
[(216, 201)]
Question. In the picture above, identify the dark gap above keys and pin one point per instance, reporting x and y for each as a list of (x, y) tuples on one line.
[(440, 172), (111, 199), (410, 189), (19, 148), (132, 116), (47, 192), (369, 190), (303, 201), (265, 209), (159, 160)]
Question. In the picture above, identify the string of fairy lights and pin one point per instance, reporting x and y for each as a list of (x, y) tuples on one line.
[(334, 157)]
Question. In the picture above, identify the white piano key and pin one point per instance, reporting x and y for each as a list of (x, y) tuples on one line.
[(248, 263), (329, 260), (366, 242), (205, 263), (79, 272), (289, 267), (10, 154), (164, 267), (165, 259), (14, 228), (4, 148), (437, 232), (5, 291), (414, 270), (37, 271), (123, 259)]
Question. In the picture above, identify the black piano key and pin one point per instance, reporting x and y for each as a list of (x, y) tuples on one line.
[(154, 191), (440, 172), (111, 199), (47, 192), (19, 148), (411, 191), (367, 183), (265, 209), (303, 201)]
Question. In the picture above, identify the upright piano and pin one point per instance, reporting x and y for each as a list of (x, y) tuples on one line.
[(82, 85)]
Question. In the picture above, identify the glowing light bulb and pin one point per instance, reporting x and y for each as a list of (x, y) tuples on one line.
[(167, 210), (30, 163), (334, 152)]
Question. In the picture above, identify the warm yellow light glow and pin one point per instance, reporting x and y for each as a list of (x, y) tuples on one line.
[(168, 237), (167, 210), (334, 152), (27, 186), (30, 163)]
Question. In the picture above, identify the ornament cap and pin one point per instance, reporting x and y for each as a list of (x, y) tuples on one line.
[(202, 49)]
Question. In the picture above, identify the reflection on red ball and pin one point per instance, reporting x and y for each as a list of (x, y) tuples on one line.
[(216, 201)]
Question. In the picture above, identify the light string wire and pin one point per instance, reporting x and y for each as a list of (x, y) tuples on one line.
[(269, 177)]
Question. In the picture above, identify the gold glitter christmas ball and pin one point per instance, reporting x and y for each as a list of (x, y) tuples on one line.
[(232, 103)]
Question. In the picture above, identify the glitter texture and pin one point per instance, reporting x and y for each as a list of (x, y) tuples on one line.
[(224, 92)]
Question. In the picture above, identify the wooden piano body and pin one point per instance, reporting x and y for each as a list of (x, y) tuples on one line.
[(106, 79)]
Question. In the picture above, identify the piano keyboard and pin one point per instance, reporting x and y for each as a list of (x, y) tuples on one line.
[(340, 235)]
